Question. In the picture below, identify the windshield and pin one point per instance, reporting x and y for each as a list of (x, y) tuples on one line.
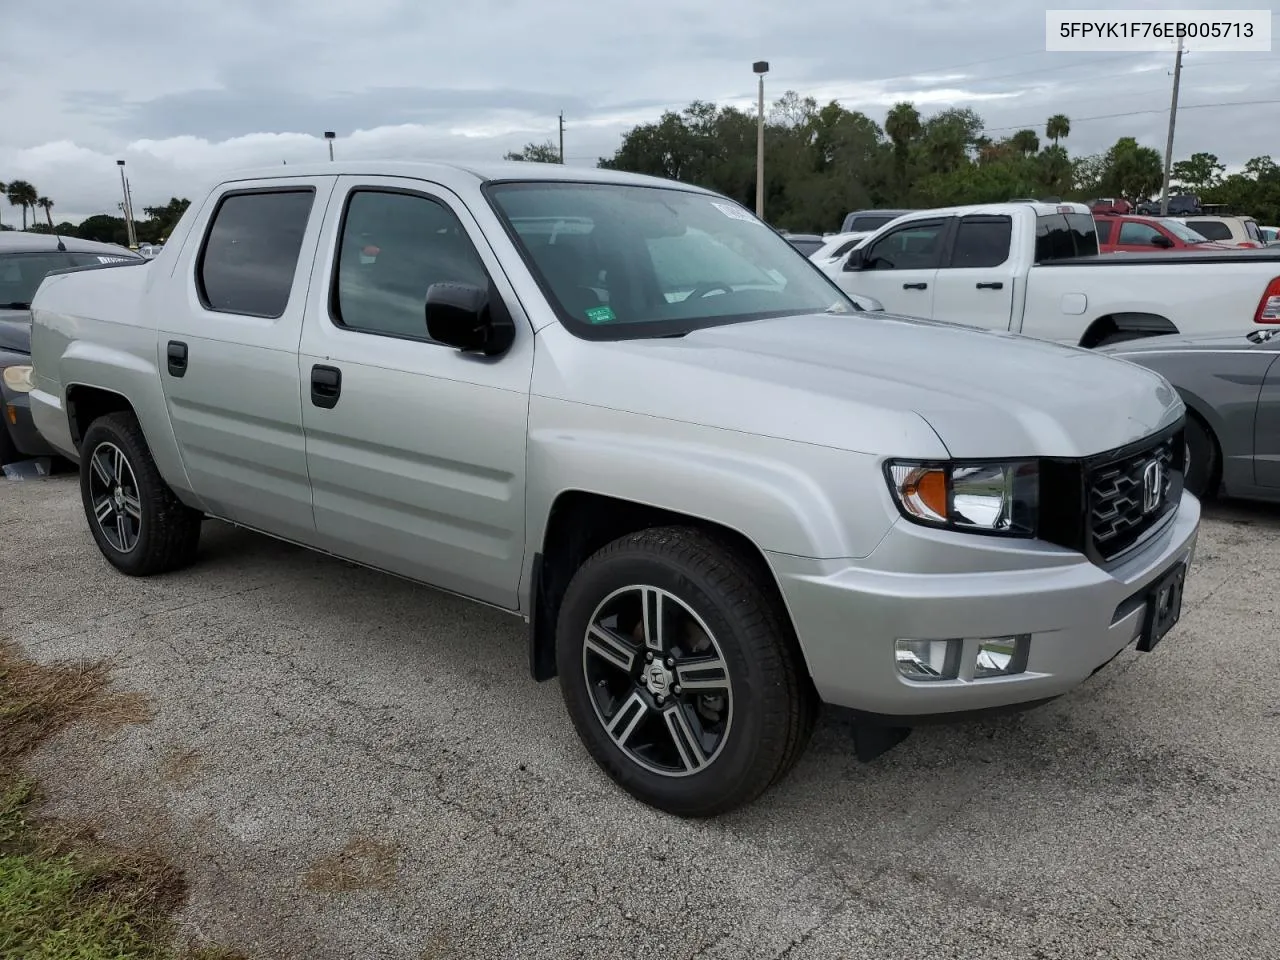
[(1183, 232), (619, 262), (21, 273)]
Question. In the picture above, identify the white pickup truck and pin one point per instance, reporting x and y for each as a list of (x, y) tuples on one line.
[(1034, 269)]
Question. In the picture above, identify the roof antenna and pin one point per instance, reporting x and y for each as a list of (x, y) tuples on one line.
[(62, 247)]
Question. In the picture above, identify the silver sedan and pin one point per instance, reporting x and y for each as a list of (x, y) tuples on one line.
[(1231, 385)]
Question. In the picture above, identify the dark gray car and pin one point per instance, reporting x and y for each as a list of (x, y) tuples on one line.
[(25, 260), (1231, 386)]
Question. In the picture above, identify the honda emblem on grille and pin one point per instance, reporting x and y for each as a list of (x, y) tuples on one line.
[(1152, 485)]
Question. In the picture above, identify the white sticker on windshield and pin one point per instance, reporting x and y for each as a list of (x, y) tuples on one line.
[(733, 212), (102, 259)]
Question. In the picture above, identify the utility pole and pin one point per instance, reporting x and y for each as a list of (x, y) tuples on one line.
[(760, 67), (1168, 144), (562, 137)]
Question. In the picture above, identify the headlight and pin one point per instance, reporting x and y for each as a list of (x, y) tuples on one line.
[(979, 497), (18, 379)]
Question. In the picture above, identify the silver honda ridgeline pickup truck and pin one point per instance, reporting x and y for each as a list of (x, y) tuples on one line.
[(627, 410)]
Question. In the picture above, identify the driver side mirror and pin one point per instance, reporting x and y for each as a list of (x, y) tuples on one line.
[(857, 259), (464, 316), (1160, 240)]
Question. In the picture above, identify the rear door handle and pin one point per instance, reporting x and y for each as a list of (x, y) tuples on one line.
[(993, 285), (177, 358), (915, 286), (326, 386)]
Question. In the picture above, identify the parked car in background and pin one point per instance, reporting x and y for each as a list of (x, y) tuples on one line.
[(806, 243), (25, 259), (865, 221), (1240, 232), (838, 245), (1032, 268), (1270, 234), (720, 494), (1180, 205), (1117, 205), (1129, 234), (1231, 386)]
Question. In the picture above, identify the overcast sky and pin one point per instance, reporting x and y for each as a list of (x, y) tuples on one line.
[(183, 90)]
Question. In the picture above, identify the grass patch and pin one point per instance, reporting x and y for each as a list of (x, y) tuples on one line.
[(63, 895)]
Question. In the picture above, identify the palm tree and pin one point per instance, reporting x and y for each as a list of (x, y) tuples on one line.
[(902, 124), (1058, 128), (1026, 141), (24, 195), (3, 188), (45, 204)]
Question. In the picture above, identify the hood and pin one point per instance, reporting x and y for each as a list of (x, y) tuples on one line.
[(15, 330), (864, 382)]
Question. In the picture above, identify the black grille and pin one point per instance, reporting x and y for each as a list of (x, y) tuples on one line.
[(1121, 506)]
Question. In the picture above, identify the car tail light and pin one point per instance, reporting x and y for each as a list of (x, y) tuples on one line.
[(1269, 305)]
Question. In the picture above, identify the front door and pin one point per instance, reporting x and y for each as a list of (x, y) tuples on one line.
[(975, 285), (416, 452), (228, 326), (898, 269)]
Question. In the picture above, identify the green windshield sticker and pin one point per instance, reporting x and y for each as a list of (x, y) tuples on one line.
[(601, 314)]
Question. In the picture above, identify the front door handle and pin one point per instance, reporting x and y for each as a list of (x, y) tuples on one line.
[(993, 285), (177, 358), (915, 286), (326, 386)]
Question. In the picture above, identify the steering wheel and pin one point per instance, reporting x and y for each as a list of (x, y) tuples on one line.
[(703, 289)]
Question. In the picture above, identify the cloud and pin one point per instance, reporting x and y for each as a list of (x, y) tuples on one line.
[(184, 91)]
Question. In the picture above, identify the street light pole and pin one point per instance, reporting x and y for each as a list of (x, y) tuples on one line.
[(760, 67), (1168, 144), (329, 135), (127, 208)]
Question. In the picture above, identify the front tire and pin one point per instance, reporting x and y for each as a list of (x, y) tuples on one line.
[(680, 672), (140, 526), (1202, 460)]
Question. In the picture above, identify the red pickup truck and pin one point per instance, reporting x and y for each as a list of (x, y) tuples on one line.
[(1133, 234)]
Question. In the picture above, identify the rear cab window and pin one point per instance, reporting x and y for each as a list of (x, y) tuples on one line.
[(1065, 236)]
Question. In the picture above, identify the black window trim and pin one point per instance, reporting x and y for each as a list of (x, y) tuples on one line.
[(953, 240), (332, 309), (201, 293), (945, 239), (609, 333)]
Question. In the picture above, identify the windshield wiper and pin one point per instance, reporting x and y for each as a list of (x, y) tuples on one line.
[(15, 305)]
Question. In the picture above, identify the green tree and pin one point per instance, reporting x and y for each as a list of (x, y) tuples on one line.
[(4, 189), (104, 228), (160, 221), (1132, 170), (546, 152), (45, 204), (1026, 141), (1198, 173), (1058, 128), (22, 194), (902, 124)]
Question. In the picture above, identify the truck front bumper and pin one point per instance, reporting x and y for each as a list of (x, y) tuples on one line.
[(921, 584)]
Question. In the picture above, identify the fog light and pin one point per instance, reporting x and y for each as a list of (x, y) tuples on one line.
[(928, 659), (1002, 656)]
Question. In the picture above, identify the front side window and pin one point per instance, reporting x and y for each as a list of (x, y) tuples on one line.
[(982, 242), (251, 252), (394, 246), (619, 261), (1135, 234), (916, 246)]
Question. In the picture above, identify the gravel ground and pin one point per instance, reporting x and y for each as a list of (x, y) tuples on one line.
[(348, 765)]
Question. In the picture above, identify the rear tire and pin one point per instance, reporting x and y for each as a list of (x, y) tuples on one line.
[(680, 672), (1201, 477), (140, 526)]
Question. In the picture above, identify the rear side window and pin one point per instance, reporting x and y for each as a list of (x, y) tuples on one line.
[(1064, 236), (251, 252), (982, 242), (1252, 229), (869, 223), (1104, 230), (1210, 229)]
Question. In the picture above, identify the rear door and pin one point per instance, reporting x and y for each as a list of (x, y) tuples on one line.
[(899, 267), (975, 285), (1266, 430), (228, 326)]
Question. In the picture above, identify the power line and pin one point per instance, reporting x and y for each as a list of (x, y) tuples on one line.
[(1138, 113)]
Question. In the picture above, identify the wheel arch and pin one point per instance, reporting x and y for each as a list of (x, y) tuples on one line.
[(579, 523), (1145, 324)]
